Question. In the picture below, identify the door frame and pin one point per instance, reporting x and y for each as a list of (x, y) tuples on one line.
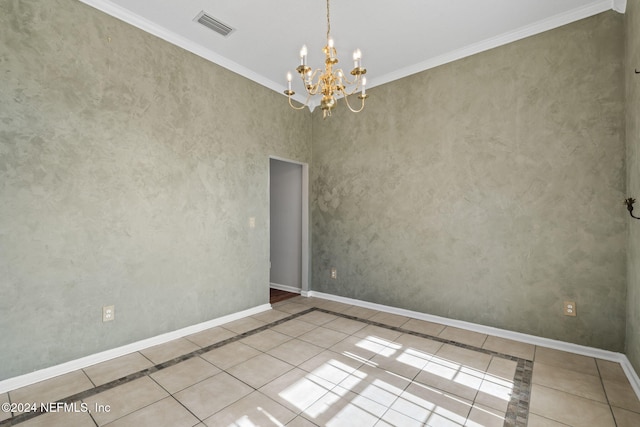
[(305, 247)]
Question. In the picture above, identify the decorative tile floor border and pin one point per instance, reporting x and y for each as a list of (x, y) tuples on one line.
[(517, 411)]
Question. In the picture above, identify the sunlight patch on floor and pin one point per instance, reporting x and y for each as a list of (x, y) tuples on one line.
[(348, 393), (304, 392), (378, 346)]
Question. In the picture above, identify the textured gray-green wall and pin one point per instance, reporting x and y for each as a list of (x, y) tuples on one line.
[(486, 190), (632, 26), (129, 169)]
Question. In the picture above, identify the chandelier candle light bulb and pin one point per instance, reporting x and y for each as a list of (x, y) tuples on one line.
[(307, 79), (357, 55), (330, 83)]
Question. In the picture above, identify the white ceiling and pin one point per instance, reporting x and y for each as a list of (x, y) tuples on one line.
[(396, 38)]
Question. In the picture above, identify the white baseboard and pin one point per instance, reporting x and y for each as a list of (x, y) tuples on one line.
[(286, 288), (632, 375), (64, 368), (73, 365), (502, 333)]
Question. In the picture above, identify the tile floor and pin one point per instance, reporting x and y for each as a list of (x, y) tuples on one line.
[(314, 362)]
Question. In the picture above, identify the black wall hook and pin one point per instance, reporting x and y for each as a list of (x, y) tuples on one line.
[(629, 202), (637, 72)]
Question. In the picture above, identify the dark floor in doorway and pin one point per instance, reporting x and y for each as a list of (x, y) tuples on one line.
[(276, 295)]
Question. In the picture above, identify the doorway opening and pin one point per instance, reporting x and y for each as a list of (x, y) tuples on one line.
[(277, 295), (289, 225)]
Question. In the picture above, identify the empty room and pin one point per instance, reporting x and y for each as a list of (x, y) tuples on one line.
[(320, 213)]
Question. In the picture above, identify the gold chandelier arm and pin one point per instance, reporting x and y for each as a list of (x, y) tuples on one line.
[(346, 100), (356, 89), (312, 88), (303, 106), (294, 107), (348, 82), (312, 76)]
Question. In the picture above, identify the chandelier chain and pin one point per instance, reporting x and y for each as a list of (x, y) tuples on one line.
[(328, 22)]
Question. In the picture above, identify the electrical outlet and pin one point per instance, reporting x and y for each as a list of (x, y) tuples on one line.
[(334, 273), (108, 313), (570, 308), (252, 222)]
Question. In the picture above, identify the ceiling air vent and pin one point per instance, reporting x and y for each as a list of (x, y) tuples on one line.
[(213, 24)]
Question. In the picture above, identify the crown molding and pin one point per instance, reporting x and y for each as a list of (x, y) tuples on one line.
[(129, 17), (169, 36), (530, 30)]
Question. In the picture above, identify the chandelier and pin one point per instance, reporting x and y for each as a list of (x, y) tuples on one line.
[(330, 83)]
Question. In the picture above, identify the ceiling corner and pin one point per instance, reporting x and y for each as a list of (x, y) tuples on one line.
[(619, 5)]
